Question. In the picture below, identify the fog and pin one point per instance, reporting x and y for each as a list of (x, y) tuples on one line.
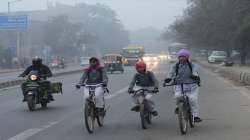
[(66, 28), (134, 14)]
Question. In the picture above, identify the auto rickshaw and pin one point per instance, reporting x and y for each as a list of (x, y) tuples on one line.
[(113, 62)]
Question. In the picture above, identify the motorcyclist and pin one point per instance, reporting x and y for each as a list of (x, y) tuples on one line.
[(95, 74), (143, 79), (185, 71), (43, 72)]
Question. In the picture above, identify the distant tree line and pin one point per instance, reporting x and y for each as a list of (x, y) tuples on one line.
[(68, 31), (215, 24)]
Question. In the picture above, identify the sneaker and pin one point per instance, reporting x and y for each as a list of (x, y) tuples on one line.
[(24, 100), (154, 113), (135, 108), (197, 119), (51, 98)]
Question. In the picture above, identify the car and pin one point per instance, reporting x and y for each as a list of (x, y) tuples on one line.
[(163, 56), (57, 63), (84, 61), (151, 59), (173, 58), (217, 57)]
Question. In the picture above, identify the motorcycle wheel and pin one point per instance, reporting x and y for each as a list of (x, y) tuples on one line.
[(31, 103), (44, 104)]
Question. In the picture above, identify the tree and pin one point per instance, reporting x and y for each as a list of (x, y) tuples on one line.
[(213, 24)]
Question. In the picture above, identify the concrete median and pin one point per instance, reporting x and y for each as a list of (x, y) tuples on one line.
[(232, 73), (18, 81)]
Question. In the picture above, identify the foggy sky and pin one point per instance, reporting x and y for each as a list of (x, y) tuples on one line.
[(134, 14)]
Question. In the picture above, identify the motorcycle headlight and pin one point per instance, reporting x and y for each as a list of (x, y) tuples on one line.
[(33, 77)]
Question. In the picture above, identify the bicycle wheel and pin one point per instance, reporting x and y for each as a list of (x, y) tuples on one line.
[(182, 119), (143, 117), (89, 117), (190, 119), (100, 119)]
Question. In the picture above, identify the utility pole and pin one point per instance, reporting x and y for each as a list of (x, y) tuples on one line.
[(18, 34)]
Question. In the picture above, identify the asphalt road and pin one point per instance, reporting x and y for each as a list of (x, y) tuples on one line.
[(224, 108), (8, 76)]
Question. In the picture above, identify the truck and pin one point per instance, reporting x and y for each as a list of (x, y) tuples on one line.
[(132, 53)]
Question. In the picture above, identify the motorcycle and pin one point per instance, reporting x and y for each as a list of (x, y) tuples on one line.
[(36, 91)]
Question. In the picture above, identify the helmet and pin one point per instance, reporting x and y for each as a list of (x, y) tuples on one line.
[(183, 53), (94, 59), (140, 65), (37, 61)]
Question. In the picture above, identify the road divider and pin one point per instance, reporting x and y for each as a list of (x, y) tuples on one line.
[(18, 81), (234, 74)]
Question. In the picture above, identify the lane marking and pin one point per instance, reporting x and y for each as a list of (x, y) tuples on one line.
[(14, 87), (31, 132), (117, 93)]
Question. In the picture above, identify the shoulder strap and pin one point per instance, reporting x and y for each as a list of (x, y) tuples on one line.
[(101, 72), (190, 67), (149, 74), (177, 68)]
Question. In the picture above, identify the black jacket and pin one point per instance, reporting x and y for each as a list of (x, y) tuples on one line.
[(146, 79), (43, 71)]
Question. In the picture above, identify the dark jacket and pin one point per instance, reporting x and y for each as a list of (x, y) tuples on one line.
[(93, 76), (43, 71), (146, 79)]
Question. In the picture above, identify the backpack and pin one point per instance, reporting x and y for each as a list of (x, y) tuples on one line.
[(191, 70)]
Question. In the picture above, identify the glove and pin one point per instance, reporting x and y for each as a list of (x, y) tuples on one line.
[(21, 75), (196, 78), (156, 90), (104, 85), (78, 86), (130, 90), (167, 80)]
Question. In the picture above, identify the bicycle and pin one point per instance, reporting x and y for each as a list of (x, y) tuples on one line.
[(91, 112), (184, 113)]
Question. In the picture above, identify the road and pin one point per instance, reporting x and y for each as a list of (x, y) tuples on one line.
[(224, 108), (14, 75)]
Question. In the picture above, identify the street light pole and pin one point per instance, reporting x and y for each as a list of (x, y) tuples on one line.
[(8, 7), (18, 32)]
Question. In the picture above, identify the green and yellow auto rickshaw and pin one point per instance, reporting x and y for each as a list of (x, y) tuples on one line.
[(113, 63)]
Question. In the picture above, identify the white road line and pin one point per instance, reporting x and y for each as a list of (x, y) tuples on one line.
[(31, 132), (117, 93), (14, 87)]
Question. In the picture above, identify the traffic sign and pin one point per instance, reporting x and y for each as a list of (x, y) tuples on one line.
[(13, 22)]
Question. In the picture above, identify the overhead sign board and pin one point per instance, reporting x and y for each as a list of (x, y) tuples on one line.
[(13, 22)]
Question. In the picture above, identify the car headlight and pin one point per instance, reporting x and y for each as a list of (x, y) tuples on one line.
[(211, 58), (146, 58), (33, 77)]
